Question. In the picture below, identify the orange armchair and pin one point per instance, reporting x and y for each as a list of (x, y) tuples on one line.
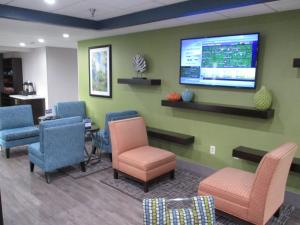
[(252, 197), (132, 155)]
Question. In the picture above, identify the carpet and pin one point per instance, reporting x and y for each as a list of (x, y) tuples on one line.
[(184, 185), (75, 171)]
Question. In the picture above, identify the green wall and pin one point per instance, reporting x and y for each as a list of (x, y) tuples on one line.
[(280, 34)]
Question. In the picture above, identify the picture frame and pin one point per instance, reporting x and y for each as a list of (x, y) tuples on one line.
[(100, 71)]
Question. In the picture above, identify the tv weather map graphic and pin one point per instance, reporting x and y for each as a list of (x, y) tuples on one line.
[(220, 61)]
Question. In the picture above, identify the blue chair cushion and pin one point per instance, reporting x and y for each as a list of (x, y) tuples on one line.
[(15, 117), (35, 150), (58, 122), (101, 141), (19, 133), (102, 135), (70, 109)]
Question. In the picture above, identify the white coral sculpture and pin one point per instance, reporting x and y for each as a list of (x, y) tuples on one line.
[(139, 64)]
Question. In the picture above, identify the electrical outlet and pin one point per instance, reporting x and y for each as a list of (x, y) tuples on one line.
[(212, 150)]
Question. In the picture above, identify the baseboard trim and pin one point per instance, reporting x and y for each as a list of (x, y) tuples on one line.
[(198, 169), (291, 198)]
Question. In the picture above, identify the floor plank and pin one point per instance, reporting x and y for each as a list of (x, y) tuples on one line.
[(28, 199)]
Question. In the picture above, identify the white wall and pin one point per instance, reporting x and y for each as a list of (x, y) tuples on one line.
[(34, 66), (53, 72), (62, 75)]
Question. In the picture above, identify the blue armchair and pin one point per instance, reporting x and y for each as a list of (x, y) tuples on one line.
[(17, 127), (70, 109), (61, 144), (102, 138)]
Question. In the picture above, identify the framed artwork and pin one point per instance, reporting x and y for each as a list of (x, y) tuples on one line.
[(100, 78)]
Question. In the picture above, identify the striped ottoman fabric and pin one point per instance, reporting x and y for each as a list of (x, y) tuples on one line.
[(154, 211), (201, 213)]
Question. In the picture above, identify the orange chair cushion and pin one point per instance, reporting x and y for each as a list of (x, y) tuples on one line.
[(147, 157), (229, 184)]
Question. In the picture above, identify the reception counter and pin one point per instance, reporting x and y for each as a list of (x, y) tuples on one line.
[(37, 103)]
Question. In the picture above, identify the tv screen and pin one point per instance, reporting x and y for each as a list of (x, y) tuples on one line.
[(225, 61)]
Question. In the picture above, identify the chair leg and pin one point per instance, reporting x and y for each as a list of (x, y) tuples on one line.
[(116, 175), (31, 167), (146, 187), (7, 153), (172, 174), (47, 177), (82, 166), (94, 150), (277, 213)]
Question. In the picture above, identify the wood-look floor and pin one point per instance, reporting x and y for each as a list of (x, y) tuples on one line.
[(28, 200)]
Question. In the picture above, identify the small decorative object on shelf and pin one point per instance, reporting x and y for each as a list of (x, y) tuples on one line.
[(174, 97), (139, 65), (187, 95), (263, 99)]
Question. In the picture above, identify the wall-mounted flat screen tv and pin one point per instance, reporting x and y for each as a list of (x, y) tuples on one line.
[(225, 61)]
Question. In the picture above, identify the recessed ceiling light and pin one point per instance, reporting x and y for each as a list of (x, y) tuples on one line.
[(50, 2), (65, 35), (41, 40), (22, 44)]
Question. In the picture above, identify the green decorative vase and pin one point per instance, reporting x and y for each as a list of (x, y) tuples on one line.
[(263, 99)]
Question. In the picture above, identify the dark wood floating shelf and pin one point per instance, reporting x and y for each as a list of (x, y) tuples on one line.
[(256, 155), (296, 63), (218, 108), (170, 136), (149, 82)]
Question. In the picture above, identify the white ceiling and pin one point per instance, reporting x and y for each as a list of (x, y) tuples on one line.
[(13, 32), (80, 8)]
